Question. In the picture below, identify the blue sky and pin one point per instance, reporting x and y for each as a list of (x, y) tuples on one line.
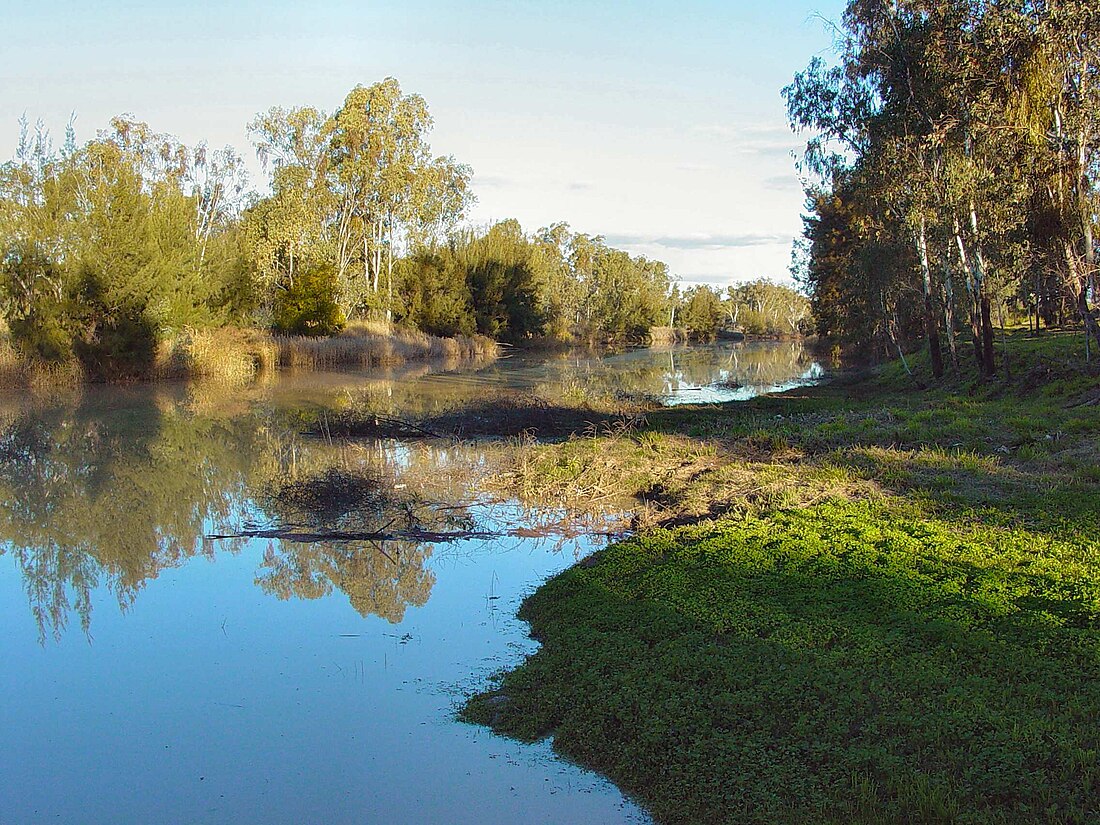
[(656, 124)]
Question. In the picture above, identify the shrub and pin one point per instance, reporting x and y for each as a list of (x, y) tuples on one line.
[(308, 306)]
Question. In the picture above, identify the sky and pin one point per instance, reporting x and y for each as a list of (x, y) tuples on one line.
[(658, 125)]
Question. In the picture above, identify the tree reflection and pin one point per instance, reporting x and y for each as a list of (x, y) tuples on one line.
[(102, 490), (109, 489), (365, 488), (379, 581)]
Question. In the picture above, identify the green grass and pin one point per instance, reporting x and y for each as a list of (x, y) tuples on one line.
[(885, 606)]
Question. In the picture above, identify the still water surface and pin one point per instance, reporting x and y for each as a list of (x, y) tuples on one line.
[(150, 674)]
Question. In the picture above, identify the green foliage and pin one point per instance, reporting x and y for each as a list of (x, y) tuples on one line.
[(434, 295), (507, 285), (112, 248), (893, 617), (350, 190), (37, 309), (754, 671), (762, 307), (109, 246), (702, 313), (951, 160), (308, 305)]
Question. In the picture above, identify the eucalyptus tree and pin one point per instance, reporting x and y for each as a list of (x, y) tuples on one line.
[(353, 190), (1057, 106), (910, 127), (301, 222), (762, 307)]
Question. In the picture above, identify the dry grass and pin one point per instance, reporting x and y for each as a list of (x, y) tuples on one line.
[(226, 354), (238, 356), (17, 371), (667, 479), (372, 344), (659, 336), (12, 368), (52, 377)]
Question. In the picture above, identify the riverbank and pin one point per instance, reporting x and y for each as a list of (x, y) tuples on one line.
[(239, 355), (858, 602)]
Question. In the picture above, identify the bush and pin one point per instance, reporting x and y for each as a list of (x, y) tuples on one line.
[(308, 306)]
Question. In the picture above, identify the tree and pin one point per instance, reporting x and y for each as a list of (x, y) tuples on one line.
[(967, 131), (701, 314)]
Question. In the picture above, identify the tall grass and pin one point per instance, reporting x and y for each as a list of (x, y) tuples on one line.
[(659, 336), (229, 354), (372, 344), (238, 356), (17, 371)]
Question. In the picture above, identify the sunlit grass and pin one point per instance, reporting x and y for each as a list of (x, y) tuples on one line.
[(868, 602), (372, 344)]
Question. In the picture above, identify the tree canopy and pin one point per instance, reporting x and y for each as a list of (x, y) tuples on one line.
[(951, 169)]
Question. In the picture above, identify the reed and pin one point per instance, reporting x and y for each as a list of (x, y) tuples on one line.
[(373, 344), (226, 354), (238, 356), (12, 367), (667, 335), (18, 371)]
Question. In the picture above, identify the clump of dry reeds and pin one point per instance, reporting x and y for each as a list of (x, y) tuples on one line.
[(663, 336), (237, 356), (229, 354), (372, 344), (18, 371)]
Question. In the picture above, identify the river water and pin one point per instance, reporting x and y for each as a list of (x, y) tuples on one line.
[(152, 674)]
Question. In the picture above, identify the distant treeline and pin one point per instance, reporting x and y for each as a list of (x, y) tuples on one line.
[(112, 247), (760, 308), (953, 163)]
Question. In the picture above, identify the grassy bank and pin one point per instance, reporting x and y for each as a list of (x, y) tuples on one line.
[(860, 602), (239, 355)]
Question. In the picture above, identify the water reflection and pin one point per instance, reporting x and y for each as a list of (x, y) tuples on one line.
[(278, 680), (103, 489), (107, 488)]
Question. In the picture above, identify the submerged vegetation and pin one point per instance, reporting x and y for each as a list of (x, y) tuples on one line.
[(850, 603)]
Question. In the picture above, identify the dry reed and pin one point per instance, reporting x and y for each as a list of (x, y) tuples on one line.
[(372, 344), (226, 354), (659, 336), (238, 356)]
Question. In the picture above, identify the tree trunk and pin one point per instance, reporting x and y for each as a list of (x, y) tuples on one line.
[(949, 310), (1078, 283), (989, 362), (1037, 286), (988, 356), (931, 328), (972, 295), (366, 257), (389, 275)]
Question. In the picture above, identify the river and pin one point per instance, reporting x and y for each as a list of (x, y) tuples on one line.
[(152, 674)]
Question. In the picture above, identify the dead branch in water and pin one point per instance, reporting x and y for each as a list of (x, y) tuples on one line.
[(411, 535), (370, 425)]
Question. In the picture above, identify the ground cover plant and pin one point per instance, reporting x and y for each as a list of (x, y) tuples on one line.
[(898, 621)]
